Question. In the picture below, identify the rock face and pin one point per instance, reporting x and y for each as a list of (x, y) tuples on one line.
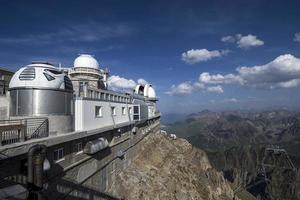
[(241, 166), (171, 169)]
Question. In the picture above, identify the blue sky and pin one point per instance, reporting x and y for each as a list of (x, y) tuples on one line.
[(169, 44)]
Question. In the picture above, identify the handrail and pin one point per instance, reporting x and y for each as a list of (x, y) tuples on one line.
[(44, 126), (19, 130)]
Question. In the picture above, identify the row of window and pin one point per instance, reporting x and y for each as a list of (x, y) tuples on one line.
[(99, 112), (58, 154)]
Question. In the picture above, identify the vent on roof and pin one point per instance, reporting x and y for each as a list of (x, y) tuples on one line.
[(27, 74)]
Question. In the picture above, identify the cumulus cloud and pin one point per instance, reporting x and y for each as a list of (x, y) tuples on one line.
[(181, 89), (244, 42), (117, 82), (199, 55), (248, 41), (142, 81), (206, 78), (187, 88), (216, 89), (297, 37), (282, 72)]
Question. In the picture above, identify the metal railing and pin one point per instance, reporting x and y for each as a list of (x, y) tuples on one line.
[(20, 130)]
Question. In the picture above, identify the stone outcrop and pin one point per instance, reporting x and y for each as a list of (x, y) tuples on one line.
[(171, 169)]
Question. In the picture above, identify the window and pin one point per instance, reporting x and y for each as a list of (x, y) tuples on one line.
[(98, 111), (54, 71), (123, 111), (113, 110), (58, 155), (78, 147), (48, 77), (136, 113)]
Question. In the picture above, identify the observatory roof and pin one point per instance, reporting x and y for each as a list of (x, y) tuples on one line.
[(86, 60)]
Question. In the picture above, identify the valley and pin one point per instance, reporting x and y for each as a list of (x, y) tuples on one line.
[(238, 144)]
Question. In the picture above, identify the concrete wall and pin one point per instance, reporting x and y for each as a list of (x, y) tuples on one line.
[(85, 118), (81, 176), (60, 123)]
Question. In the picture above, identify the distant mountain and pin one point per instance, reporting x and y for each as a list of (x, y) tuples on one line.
[(236, 142), (222, 130)]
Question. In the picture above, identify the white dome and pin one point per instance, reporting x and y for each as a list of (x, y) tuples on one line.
[(146, 89), (41, 77), (151, 93), (85, 60)]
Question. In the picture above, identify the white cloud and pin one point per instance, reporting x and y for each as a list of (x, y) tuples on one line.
[(199, 55), (215, 89), (181, 89), (282, 72), (206, 78), (244, 42), (248, 41), (142, 81), (199, 86), (120, 83), (297, 37), (228, 39)]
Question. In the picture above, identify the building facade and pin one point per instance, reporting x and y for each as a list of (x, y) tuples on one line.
[(67, 135)]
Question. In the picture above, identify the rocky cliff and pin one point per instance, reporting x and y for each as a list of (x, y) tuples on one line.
[(235, 143), (171, 169), (242, 167)]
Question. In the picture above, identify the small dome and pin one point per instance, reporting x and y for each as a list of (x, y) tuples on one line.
[(85, 60), (151, 93), (146, 89)]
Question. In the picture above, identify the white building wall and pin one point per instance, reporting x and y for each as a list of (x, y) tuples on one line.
[(86, 119)]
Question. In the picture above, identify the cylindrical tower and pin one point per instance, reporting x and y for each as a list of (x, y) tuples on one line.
[(41, 89)]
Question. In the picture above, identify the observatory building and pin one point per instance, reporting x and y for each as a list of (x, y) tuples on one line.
[(42, 90), (86, 72), (68, 120)]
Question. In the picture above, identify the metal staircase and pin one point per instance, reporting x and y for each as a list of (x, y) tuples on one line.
[(20, 130)]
